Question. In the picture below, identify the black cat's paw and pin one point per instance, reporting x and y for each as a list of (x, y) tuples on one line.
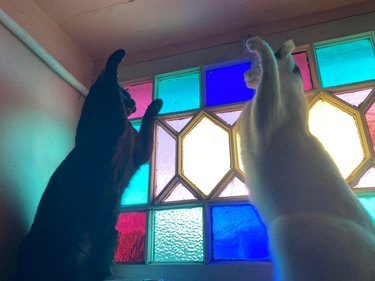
[(114, 60), (155, 107)]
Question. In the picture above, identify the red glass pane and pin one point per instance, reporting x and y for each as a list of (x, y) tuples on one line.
[(131, 229), (370, 117), (303, 64), (142, 94)]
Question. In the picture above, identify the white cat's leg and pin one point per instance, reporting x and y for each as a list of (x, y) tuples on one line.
[(267, 110), (320, 248)]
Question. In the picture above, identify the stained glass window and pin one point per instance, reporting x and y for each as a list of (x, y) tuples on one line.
[(238, 233), (192, 193), (346, 62), (178, 235), (225, 84), (180, 91), (131, 229)]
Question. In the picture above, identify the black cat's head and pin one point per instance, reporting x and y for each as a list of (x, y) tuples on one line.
[(128, 101)]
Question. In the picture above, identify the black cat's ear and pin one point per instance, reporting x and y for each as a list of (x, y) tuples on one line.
[(114, 60), (286, 49)]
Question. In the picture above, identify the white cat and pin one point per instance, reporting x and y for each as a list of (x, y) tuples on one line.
[(318, 230)]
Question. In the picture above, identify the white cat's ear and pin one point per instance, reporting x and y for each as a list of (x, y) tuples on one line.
[(286, 49)]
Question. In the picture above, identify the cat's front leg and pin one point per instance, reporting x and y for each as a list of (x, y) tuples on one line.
[(146, 132)]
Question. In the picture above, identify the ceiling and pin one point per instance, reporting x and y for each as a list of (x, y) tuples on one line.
[(151, 29)]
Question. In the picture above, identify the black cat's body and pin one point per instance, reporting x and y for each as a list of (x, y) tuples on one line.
[(73, 234)]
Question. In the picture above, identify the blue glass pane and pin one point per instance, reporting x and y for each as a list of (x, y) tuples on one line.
[(238, 234), (137, 191), (369, 203), (179, 91), (226, 85), (346, 62)]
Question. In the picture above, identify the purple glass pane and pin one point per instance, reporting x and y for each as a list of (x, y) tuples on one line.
[(142, 94), (303, 64)]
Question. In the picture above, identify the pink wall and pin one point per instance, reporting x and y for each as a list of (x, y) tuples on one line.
[(38, 116)]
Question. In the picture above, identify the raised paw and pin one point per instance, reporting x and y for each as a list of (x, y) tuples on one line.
[(114, 60), (259, 46), (155, 107)]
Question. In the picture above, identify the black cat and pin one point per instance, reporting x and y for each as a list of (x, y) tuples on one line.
[(73, 235)]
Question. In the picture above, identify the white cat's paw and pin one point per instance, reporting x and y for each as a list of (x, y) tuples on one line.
[(256, 44)]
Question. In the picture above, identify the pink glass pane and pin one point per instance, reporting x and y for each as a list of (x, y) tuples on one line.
[(179, 124), (165, 166), (235, 188), (180, 193), (355, 98), (302, 62), (131, 229), (370, 117), (142, 94), (229, 117)]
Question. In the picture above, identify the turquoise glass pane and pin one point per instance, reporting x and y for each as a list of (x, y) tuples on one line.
[(137, 191), (238, 234), (369, 203), (225, 85), (179, 91), (346, 62), (178, 235)]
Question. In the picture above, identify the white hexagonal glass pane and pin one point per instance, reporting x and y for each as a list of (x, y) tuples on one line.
[(205, 155), (338, 133)]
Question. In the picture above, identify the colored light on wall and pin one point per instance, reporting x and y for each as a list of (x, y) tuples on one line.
[(178, 235), (225, 85), (238, 234), (302, 62), (346, 62), (180, 91), (142, 94), (131, 229)]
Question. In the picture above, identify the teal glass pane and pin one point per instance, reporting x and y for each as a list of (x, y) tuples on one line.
[(178, 235), (137, 191), (180, 91), (346, 62), (369, 203), (238, 234)]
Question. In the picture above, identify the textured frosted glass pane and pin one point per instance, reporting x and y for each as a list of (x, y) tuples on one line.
[(137, 191), (303, 64), (238, 234), (179, 92), (226, 85), (370, 118), (178, 235), (235, 188), (178, 124), (355, 98), (142, 94), (368, 179), (239, 156), (338, 133), (180, 193), (165, 161), (131, 229), (229, 117), (206, 155), (369, 203), (346, 62)]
